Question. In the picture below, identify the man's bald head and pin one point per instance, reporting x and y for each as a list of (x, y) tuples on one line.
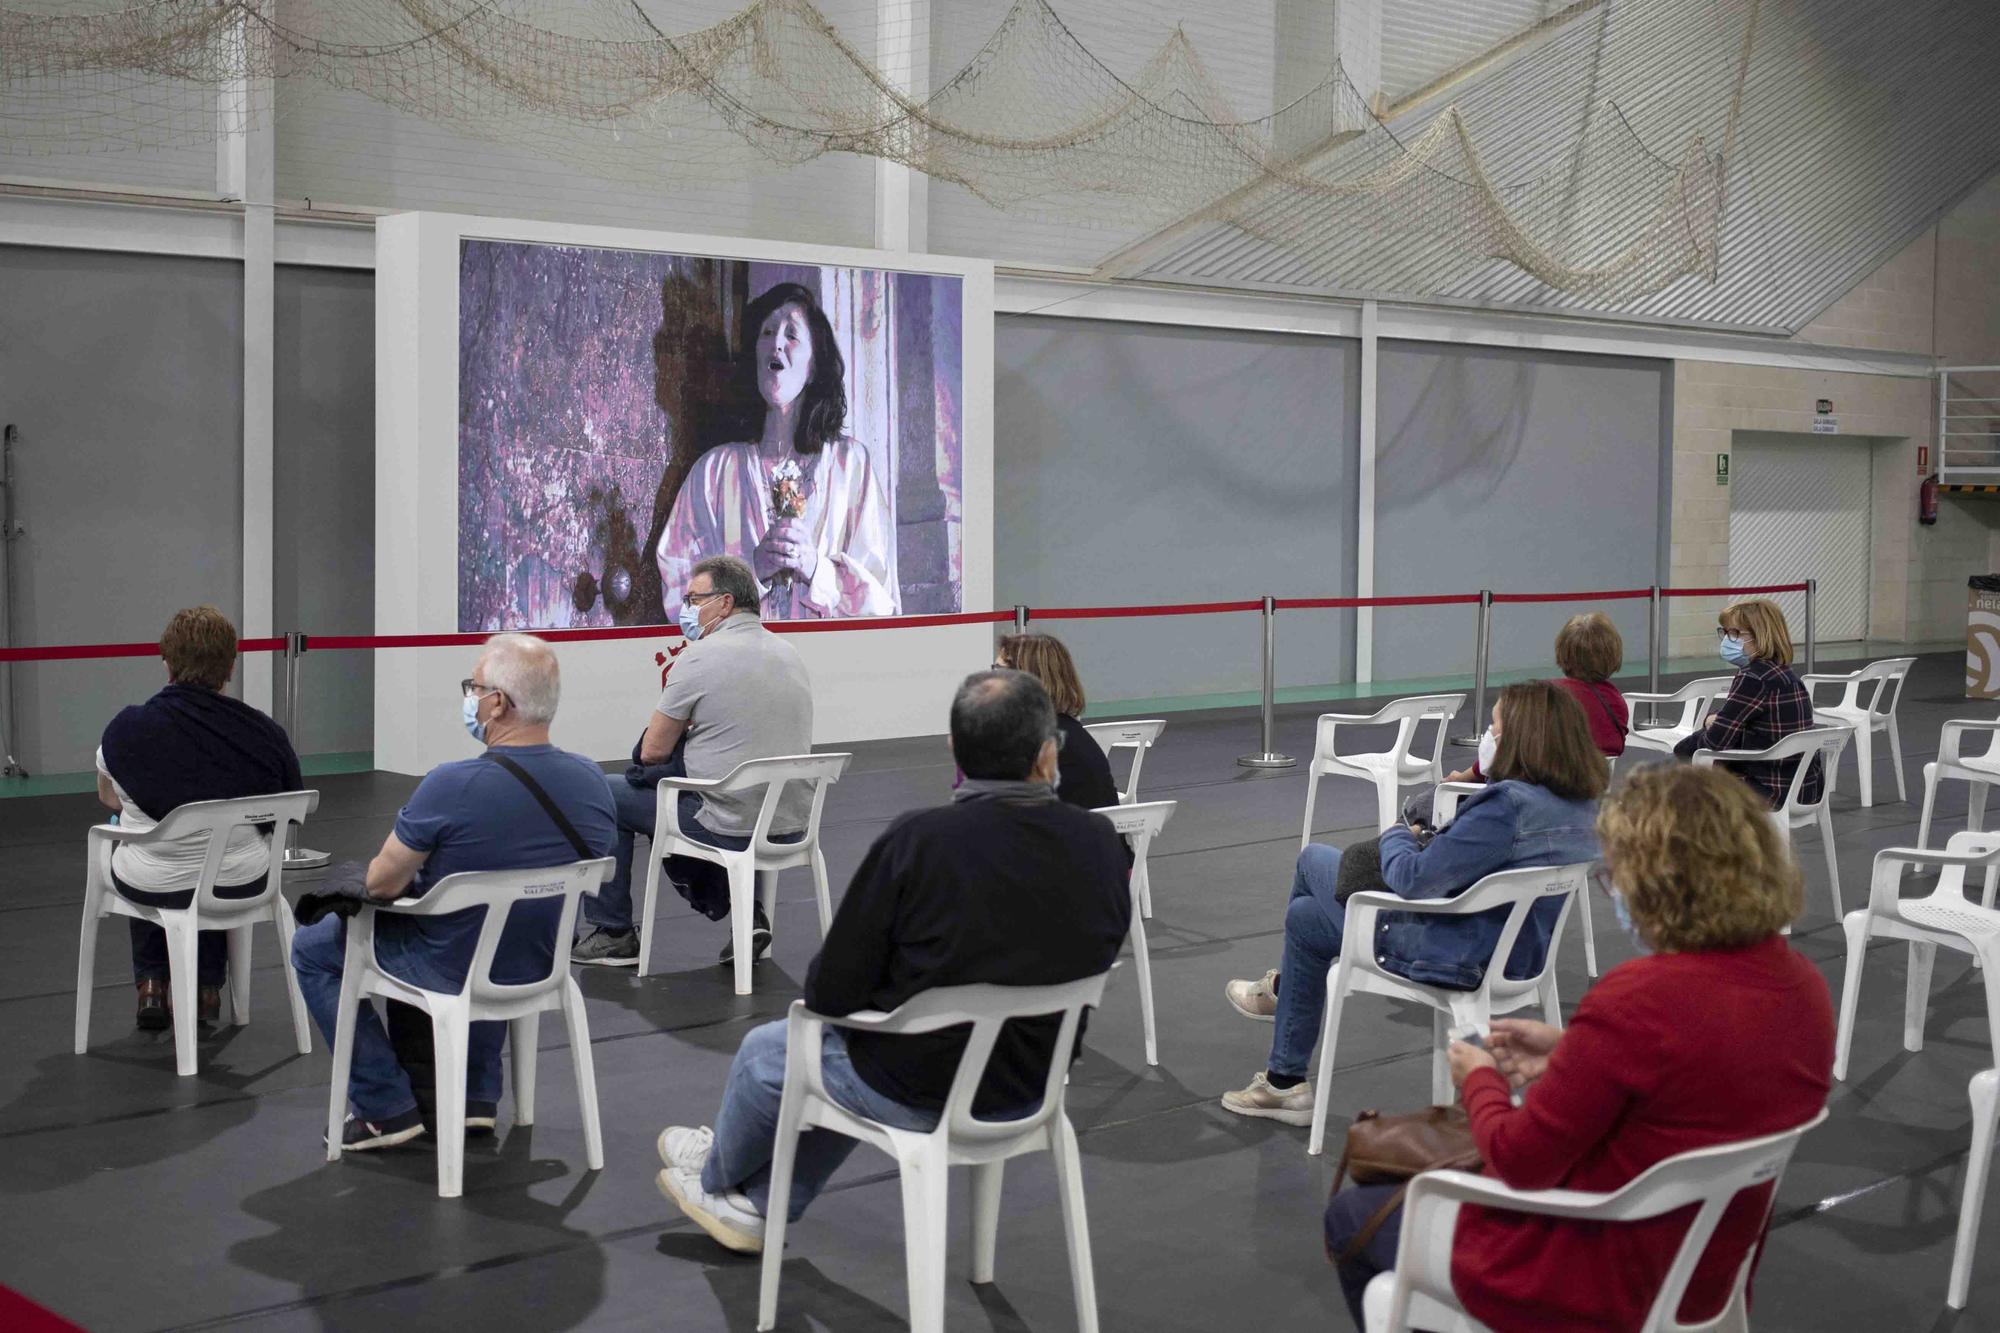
[(999, 722)]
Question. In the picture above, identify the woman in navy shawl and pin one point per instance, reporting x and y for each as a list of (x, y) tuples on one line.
[(190, 742)]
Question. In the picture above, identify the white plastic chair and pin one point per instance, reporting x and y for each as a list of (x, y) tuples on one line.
[(479, 999), (960, 1139), (1866, 719), (1390, 769), (1359, 971), (1984, 1092), (204, 911), (1135, 736), (1943, 917), (1693, 699), (757, 865), (1139, 823), (1826, 743), (1418, 1293), (1445, 804), (1981, 770)]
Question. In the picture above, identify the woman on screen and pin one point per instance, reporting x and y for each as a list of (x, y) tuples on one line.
[(803, 503)]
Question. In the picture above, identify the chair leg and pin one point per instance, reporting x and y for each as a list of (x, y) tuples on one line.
[(986, 1182), (1142, 880), (1983, 1092), (86, 967), (1441, 1094), (1076, 1228), (1552, 1011), (281, 917), (1832, 859), (822, 893), (183, 952), (742, 891), (1589, 930), (767, 893), (578, 1024), (344, 1019), (654, 868), (924, 1203), (524, 1034), (1864, 762), (1386, 792), (1329, 1035), (1896, 758), (1855, 925), (449, 1032), (1930, 799), (1142, 961), (1312, 798), (1917, 993), (238, 990), (1975, 807), (784, 1152)]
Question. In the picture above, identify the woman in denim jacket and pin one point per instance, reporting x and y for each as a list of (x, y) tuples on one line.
[(1540, 810)]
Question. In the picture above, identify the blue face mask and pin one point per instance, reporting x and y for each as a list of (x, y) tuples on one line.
[(1733, 652), (1625, 920), (690, 622), (470, 712)]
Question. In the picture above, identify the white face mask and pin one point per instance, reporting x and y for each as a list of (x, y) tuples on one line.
[(1489, 748)]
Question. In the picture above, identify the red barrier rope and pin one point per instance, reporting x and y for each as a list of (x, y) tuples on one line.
[(1615, 595), (84, 651), (1731, 592), (77, 652), (1316, 603), (1119, 612)]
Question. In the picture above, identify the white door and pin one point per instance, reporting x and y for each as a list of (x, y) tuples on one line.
[(1799, 510)]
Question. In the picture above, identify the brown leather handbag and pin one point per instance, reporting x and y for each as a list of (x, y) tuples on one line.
[(1385, 1148)]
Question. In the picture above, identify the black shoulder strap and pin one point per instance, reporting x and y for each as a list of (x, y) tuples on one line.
[(1623, 729), (583, 852)]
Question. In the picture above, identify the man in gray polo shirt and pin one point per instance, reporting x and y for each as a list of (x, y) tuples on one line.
[(738, 692)]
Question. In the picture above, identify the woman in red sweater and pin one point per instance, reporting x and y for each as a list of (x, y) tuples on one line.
[(1589, 652), (1720, 1033)]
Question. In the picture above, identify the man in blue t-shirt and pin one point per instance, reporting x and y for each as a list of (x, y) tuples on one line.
[(469, 814)]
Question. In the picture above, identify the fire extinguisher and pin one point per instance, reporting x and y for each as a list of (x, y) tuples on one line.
[(1927, 500)]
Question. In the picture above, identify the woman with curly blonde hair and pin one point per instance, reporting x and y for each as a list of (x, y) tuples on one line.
[(1719, 1033)]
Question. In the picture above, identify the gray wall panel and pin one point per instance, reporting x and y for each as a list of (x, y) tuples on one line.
[(124, 375), (1521, 472), (1149, 464), (324, 553)]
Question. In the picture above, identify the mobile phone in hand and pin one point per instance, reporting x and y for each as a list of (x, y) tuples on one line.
[(1470, 1036)]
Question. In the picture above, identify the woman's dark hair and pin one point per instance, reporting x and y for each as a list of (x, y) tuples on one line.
[(1545, 739), (823, 402), (1044, 657)]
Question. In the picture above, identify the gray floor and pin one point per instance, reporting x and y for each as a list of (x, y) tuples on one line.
[(132, 1199)]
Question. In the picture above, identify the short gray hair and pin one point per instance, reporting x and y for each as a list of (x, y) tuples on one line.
[(523, 668), (728, 574)]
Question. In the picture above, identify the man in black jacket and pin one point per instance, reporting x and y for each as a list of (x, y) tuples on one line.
[(1006, 885)]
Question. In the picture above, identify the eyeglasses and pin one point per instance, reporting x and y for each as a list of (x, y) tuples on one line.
[(699, 598), (1734, 635), (472, 689)]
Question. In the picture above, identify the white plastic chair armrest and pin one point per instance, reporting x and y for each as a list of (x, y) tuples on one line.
[(1465, 1187), (1885, 896), (860, 1018), (1475, 899), (116, 833), (1640, 697), (1948, 739), (1348, 717), (1444, 804), (690, 784), (1822, 677)]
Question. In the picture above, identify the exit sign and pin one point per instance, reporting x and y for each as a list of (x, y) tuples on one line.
[(1722, 469)]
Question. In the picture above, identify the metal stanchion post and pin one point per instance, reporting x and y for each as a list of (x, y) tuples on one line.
[(1480, 655), (296, 857), (1812, 638), (1267, 756), (1653, 609), (1020, 619)]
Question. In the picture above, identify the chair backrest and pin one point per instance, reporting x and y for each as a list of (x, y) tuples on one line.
[(1825, 742), (216, 820), (1889, 674), (497, 891), (1138, 736), (1407, 714), (773, 775), (988, 1008), (1139, 823), (1521, 891), (1694, 697), (1966, 850)]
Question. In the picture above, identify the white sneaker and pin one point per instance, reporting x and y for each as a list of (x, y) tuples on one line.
[(730, 1219), (1292, 1106), (1255, 999), (685, 1148)]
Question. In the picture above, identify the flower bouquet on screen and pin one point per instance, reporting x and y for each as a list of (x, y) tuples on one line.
[(788, 500)]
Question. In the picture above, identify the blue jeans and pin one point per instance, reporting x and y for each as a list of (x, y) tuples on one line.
[(1347, 1212), (149, 942), (746, 1127), (378, 1088), (1313, 922), (703, 883)]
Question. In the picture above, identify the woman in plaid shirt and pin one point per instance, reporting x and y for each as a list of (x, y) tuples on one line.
[(1766, 702)]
